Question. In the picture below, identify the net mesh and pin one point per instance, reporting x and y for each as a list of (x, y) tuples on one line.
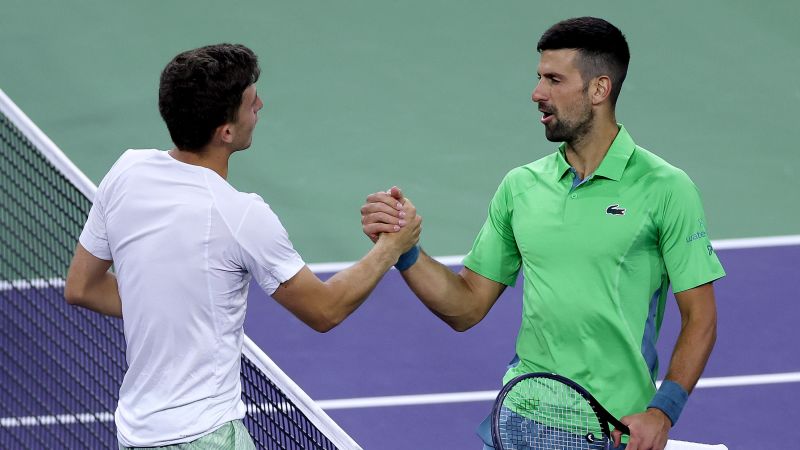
[(61, 366)]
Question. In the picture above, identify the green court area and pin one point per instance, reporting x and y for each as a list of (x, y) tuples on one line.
[(431, 95)]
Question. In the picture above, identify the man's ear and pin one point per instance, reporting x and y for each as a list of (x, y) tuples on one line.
[(224, 133), (600, 89)]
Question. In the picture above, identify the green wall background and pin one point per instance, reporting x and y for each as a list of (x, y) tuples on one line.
[(431, 95)]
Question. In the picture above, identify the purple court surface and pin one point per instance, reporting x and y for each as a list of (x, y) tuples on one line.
[(393, 346)]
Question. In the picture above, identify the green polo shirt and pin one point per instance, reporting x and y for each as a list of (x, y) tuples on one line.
[(597, 260)]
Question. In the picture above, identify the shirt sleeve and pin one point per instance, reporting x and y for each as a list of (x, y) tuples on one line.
[(494, 253), (685, 245), (94, 237), (266, 249)]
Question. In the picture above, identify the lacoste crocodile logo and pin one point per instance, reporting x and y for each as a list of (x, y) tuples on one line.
[(615, 210)]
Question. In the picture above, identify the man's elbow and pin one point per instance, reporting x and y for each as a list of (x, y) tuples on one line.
[(323, 323), (74, 294), (322, 327), (461, 326), (72, 298), (461, 323), (705, 323), (712, 331), (324, 320)]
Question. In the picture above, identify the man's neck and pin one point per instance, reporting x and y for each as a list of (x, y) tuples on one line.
[(586, 154), (215, 159)]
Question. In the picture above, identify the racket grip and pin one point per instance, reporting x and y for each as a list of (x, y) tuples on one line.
[(624, 429)]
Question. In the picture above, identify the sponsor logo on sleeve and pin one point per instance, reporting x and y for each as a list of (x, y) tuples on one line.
[(701, 233)]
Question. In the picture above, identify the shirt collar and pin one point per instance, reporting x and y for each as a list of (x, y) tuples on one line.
[(613, 163)]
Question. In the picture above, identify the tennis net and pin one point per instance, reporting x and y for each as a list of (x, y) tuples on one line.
[(61, 366)]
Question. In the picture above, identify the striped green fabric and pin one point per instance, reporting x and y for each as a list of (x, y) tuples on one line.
[(231, 436)]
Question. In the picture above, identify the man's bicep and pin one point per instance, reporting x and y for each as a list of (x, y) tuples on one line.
[(297, 294), (85, 267), (263, 248), (485, 290), (94, 236), (697, 302)]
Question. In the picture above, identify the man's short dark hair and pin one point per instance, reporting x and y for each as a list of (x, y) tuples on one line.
[(202, 89), (602, 48)]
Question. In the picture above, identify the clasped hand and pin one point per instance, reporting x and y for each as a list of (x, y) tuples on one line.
[(387, 213)]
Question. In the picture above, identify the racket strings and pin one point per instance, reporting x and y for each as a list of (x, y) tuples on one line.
[(541, 413)]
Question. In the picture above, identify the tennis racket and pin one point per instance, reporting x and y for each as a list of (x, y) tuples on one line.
[(547, 411)]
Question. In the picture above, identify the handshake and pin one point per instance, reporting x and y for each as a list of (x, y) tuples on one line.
[(390, 219)]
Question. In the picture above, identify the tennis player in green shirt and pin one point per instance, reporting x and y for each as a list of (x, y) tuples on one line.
[(601, 229)]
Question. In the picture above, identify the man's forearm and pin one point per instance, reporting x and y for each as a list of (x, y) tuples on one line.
[(697, 336), (689, 358), (450, 295), (691, 352), (351, 287)]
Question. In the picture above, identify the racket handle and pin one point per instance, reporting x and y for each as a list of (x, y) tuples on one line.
[(619, 426), (623, 429)]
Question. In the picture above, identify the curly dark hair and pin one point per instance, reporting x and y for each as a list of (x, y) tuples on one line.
[(201, 89), (602, 47)]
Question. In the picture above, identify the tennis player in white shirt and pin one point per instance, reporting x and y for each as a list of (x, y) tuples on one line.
[(185, 245)]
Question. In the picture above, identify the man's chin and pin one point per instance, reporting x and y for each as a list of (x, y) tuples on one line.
[(245, 147), (553, 136)]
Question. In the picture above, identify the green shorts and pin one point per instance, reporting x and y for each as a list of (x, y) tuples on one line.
[(231, 436)]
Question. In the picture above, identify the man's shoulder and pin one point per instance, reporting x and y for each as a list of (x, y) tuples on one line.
[(235, 205), (547, 164), (133, 156), (522, 177), (141, 153), (657, 170), (232, 201), (129, 159)]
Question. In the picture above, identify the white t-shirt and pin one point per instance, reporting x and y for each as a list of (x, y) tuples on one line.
[(185, 244)]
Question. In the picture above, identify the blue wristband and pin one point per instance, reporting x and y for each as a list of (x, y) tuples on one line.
[(407, 259), (670, 399)]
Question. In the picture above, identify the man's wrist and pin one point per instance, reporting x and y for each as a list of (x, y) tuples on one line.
[(670, 399), (660, 414), (407, 259)]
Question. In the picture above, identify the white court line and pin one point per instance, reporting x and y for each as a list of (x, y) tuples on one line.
[(60, 419), (756, 242), (719, 244), (36, 283), (481, 396), (399, 400), (455, 260)]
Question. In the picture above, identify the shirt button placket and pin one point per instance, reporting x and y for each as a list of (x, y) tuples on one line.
[(566, 211)]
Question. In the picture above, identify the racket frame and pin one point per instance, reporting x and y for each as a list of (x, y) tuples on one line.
[(603, 416)]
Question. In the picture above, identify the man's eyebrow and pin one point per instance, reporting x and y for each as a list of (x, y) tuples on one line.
[(549, 74)]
